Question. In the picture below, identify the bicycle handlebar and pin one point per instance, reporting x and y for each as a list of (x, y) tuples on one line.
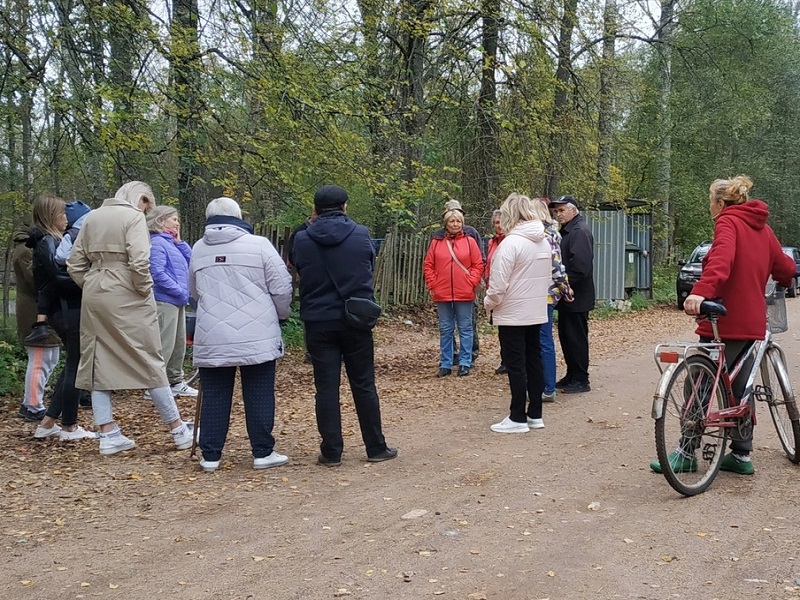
[(709, 307)]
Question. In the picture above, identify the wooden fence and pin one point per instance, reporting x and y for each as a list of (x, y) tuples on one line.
[(398, 272)]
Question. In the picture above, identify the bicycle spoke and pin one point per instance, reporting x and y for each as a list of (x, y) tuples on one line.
[(689, 450), (776, 391)]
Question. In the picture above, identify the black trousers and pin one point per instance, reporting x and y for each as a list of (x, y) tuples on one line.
[(573, 334), (327, 349), (521, 352), (65, 400)]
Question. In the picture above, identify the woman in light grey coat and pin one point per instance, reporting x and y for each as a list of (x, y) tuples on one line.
[(243, 291), (120, 340)]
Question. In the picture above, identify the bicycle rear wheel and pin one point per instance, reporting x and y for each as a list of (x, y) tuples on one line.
[(778, 394), (690, 452)]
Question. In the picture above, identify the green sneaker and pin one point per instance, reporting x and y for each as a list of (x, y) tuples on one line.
[(679, 461), (730, 463)]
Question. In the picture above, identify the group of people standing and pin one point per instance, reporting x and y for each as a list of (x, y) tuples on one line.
[(93, 286), (117, 303), (531, 269)]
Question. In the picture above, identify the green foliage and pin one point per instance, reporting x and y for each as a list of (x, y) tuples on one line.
[(664, 277), (292, 329), (13, 363)]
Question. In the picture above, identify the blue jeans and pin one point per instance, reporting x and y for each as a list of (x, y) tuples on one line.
[(450, 315), (548, 352)]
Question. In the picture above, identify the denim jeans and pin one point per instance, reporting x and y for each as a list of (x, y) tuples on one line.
[(450, 315), (162, 398), (548, 352)]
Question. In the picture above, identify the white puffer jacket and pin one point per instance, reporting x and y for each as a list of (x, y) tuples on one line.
[(520, 277), (243, 290)]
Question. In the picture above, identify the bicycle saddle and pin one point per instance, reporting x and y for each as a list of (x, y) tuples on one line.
[(711, 307)]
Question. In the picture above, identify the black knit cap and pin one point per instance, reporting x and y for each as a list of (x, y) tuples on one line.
[(565, 200), (330, 196)]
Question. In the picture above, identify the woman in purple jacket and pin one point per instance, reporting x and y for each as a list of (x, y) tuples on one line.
[(169, 266)]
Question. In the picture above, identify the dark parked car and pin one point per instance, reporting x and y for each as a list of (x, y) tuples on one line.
[(690, 272), (794, 254)]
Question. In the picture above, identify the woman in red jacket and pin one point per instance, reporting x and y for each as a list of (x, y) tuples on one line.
[(453, 269), (744, 254)]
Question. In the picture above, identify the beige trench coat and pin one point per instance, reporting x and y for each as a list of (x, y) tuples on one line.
[(120, 339)]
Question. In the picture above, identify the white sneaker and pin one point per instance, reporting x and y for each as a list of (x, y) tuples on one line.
[(79, 434), (43, 432), (509, 426), (273, 460), (118, 443), (183, 389), (551, 397), (147, 395), (535, 423), (183, 437), (209, 466)]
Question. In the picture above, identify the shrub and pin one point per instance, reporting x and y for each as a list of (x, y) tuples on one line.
[(13, 363)]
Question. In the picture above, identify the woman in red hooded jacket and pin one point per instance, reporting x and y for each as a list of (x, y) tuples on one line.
[(744, 254), (453, 269)]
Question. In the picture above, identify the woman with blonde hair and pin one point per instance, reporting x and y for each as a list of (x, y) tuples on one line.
[(453, 268), (559, 288), (60, 301), (743, 256), (169, 266), (516, 302), (120, 340)]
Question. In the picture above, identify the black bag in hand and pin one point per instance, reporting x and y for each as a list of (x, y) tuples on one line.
[(361, 313)]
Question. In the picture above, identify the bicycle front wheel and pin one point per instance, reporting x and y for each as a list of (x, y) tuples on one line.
[(689, 451), (777, 392)]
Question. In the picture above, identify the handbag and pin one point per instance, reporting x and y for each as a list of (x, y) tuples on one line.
[(360, 313)]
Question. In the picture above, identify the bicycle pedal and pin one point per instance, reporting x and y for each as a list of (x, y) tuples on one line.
[(709, 451), (763, 393)]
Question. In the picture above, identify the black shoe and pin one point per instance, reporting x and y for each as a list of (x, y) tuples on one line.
[(501, 370), (85, 400), (329, 462), (307, 358), (29, 415), (39, 334), (463, 371), (444, 372), (562, 383), (576, 388), (387, 454)]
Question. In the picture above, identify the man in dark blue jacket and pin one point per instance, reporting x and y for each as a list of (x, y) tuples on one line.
[(336, 248), (577, 254)]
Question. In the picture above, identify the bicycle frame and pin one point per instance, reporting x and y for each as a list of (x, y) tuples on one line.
[(676, 352)]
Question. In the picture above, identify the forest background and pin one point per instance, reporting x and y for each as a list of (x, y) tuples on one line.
[(405, 103)]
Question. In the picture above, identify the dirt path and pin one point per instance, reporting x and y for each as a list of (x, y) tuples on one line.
[(508, 516)]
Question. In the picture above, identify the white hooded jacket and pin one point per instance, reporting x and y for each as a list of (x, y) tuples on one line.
[(243, 290), (520, 277)]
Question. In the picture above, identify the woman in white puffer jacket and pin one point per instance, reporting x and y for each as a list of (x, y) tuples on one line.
[(516, 302), (243, 291)]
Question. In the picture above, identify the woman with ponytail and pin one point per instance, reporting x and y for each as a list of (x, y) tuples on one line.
[(743, 256)]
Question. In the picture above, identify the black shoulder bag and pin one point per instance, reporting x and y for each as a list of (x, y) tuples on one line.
[(361, 313)]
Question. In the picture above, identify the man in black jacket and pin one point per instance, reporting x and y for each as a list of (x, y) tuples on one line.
[(577, 254), (335, 259)]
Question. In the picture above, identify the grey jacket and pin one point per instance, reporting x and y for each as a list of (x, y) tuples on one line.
[(243, 291)]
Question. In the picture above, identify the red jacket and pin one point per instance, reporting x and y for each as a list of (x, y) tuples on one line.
[(745, 252), (446, 280), (494, 242)]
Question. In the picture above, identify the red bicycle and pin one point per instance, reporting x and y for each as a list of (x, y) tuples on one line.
[(694, 408)]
